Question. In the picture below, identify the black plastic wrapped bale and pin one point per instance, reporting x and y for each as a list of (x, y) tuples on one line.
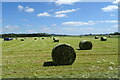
[(63, 54), (103, 39), (85, 45), (22, 39), (96, 37), (35, 38), (8, 39)]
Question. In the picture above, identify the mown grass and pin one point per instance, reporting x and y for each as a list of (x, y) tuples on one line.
[(26, 58)]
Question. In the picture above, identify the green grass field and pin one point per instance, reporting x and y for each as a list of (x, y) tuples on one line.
[(25, 59)]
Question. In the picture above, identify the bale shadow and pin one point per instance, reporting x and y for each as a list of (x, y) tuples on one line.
[(55, 42), (83, 49), (51, 63), (78, 49)]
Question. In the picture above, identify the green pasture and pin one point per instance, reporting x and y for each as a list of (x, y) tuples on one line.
[(25, 59)]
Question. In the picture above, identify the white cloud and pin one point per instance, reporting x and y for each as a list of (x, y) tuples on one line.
[(31, 31), (67, 11), (20, 7), (43, 14), (0, 20), (28, 25), (60, 2), (112, 21), (29, 10), (115, 26), (26, 9), (110, 8), (78, 23), (60, 15), (46, 28), (53, 24), (116, 1), (10, 28), (24, 19), (78, 28), (112, 14), (55, 0)]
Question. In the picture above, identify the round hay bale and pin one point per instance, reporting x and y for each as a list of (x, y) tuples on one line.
[(85, 45), (103, 39), (22, 39), (96, 37), (63, 54), (55, 40)]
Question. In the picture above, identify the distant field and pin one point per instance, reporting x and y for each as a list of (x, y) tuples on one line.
[(26, 58)]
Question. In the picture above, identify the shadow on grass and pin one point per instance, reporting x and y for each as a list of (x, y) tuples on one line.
[(51, 63), (83, 49), (78, 49), (55, 42)]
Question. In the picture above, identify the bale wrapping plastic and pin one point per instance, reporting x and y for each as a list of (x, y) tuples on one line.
[(85, 45), (63, 54), (8, 39)]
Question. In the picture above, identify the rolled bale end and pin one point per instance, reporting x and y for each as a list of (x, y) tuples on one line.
[(63, 54), (22, 39), (103, 39), (96, 37), (85, 45)]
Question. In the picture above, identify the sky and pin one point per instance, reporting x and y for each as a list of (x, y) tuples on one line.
[(72, 18)]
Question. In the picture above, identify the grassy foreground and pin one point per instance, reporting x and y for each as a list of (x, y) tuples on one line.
[(26, 58)]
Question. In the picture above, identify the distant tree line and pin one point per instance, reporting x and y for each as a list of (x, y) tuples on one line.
[(46, 35), (26, 35), (116, 33)]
